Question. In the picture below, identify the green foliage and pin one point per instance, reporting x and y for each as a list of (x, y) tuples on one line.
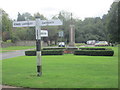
[(30, 53), (94, 48), (61, 48), (20, 17), (113, 23), (39, 15), (28, 16), (90, 29), (94, 52), (6, 26), (45, 52), (52, 52), (23, 34)]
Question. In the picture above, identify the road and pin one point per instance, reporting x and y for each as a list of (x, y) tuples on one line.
[(22, 52), (12, 54)]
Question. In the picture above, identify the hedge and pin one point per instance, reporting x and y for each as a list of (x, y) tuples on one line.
[(53, 48), (95, 49), (52, 52), (45, 52), (30, 53), (73, 49), (94, 52)]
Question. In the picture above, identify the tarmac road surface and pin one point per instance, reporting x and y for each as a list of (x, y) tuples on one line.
[(12, 54)]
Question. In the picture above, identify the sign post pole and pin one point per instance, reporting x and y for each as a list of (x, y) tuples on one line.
[(38, 46), (37, 24)]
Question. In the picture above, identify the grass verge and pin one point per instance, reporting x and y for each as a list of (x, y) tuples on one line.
[(14, 48), (67, 71)]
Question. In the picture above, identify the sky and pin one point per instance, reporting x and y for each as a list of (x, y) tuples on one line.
[(49, 8)]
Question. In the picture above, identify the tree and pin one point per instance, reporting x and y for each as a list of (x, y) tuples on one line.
[(90, 29), (20, 17), (28, 16), (6, 26), (113, 23), (40, 15)]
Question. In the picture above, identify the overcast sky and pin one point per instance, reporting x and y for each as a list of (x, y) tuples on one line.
[(49, 8)]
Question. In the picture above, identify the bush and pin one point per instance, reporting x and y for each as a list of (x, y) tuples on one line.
[(72, 49), (52, 52), (62, 48), (30, 53), (45, 52), (92, 48), (94, 52)]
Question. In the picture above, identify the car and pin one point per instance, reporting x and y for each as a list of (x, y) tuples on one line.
[(102, 43), (61, 44), (91, 42)]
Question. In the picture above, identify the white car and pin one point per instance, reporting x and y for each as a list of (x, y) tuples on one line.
[(101, 43), (61, 44), (91, 42)]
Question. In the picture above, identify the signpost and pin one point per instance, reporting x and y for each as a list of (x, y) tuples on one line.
[(37, 24)]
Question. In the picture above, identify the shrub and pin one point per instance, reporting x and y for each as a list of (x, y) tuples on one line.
[(92, 48), (52, 52), (94, 52), (30, 53), (62, 48), (72, 49), (45, 52)]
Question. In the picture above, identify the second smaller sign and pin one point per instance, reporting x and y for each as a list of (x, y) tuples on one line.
[(44, 33)]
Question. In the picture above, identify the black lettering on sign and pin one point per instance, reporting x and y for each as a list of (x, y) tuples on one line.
[(43, 33), (25, 24), (17, 23), (47, 22)]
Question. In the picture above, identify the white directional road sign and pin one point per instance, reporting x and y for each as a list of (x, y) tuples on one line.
[(33, 23), (44, 33), (24, 24), (51, 22)]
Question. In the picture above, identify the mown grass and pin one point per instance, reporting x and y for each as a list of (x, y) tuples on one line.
[(67, 71), (13, 48)]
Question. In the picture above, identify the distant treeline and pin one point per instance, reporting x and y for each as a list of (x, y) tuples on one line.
[(94, 28)]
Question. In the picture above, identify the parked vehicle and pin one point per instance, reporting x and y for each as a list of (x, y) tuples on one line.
[(91, 42), (102, 43), (61, 44)]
